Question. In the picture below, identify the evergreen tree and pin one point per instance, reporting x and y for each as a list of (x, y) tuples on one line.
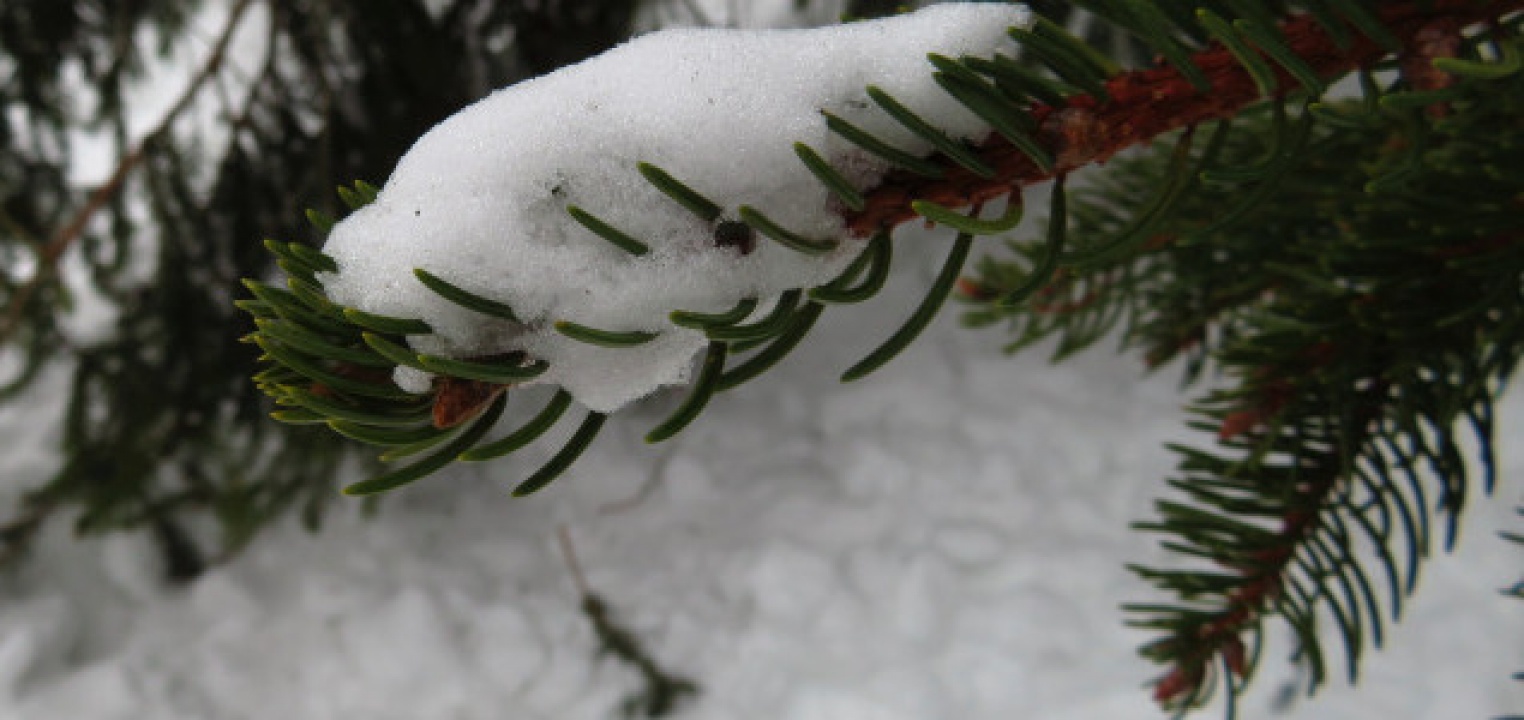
[(1349, 264), (163, 426)]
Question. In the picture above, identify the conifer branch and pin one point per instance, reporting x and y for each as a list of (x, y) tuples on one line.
[(1355, 267), (66, 235), (1366, 315), (1144, 104), (1033, 140)]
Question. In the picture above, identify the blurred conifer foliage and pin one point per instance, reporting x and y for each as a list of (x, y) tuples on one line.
[(162, 424)]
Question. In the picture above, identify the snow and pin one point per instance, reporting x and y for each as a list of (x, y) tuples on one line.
[(481, 199), (945, 539)]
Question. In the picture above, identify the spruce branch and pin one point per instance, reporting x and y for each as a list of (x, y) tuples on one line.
[(70, 231), (17, 533), (1142, 105), (1353, 267), (1098, 111)]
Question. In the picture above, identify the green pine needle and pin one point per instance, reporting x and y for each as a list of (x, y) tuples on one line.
[(877, 258), (394, 353), (938, 139), (769, 326), (562, 460), (967, 224), (922, 316), (605, 338), (435, 462), (686, 196), (313, 370), (356, 414), (387, 325), (861, 138), (616, 237), (383, 436), (321, 221), (1269, 41), (1509, 64), (1058, 224), (465, 298), (798, 327), (703, 389), (316, 345), (704, 321), (830, 177), (531, 430), (498, 373), (798, 243), (1223, 32), (1069, 65)]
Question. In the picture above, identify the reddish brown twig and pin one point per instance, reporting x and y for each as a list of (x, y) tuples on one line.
[(1146, 104)]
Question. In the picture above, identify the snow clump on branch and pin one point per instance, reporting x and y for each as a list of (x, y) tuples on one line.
[(481, 199)]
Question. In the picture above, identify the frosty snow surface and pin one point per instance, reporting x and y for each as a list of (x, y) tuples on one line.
[(481, 199)]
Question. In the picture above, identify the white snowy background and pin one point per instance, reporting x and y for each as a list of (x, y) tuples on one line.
[(942, 540)]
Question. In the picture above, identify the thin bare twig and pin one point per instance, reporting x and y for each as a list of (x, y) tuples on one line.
[(663, 692), (69, 232), (572, 566), (654, 479)]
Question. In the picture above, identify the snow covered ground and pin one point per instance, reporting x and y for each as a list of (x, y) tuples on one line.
[(941, 541)]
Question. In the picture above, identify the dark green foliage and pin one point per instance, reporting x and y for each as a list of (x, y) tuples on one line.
[(591, 425), (608, 232), (466, 439), (663, 693), (921, 317), (938, 139), (163, 423), (605, 338), (1356, 276), (703, 389), (875, 260)]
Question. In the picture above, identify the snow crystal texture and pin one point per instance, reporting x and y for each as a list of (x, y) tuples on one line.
[(481, 199)]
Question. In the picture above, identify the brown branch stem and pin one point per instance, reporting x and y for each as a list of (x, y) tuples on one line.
[(1146, 104), (569, 554)]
